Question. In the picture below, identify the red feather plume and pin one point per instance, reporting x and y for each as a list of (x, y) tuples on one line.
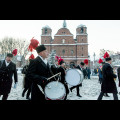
[(56, 57), (86, 61), (34, 43), (106, 55), (31, 57), (100, 61), (59, 60), (14, 52)]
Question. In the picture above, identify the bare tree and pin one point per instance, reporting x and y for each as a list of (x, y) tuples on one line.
[(7, 45), (102, 52)]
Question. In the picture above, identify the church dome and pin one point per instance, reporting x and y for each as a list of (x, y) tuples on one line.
[(81, 25), (46, 27), (63, 31)]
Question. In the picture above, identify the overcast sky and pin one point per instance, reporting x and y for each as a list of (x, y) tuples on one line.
[(102, 34)]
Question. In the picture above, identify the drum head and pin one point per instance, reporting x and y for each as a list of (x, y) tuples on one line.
[(74, 77), (54, 90)]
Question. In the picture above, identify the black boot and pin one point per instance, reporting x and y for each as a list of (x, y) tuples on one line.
[(79, 95), (106, 95)]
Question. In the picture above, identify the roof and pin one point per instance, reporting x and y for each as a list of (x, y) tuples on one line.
[(81, 25), (46, 27)]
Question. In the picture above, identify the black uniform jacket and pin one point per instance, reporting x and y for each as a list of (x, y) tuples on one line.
[(78, 67), (62, 70), (6, 74), (38, 72), (108, 84)]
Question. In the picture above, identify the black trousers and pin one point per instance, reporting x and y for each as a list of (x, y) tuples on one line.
[(77, 88), (28, 90), (102, 94)]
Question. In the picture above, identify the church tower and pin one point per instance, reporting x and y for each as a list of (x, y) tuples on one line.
[(82, 43), (46, 37)]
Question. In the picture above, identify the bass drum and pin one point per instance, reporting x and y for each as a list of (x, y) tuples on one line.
[(74, 77), (55, 91)]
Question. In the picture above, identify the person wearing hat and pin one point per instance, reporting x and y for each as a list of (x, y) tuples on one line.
[(108, 83), (80, 67), (38, 71), (7, 69), (101, 76), (61, 69)]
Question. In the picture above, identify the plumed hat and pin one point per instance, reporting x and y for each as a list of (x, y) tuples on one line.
[(40, 48), (31, 57), (86, 61), (34, 43), (100, 61), (9, 55), (60, 61), (82, 63), (14, 52), (107, 57)]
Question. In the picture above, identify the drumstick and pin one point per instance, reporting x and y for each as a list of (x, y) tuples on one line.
[(54, 75)]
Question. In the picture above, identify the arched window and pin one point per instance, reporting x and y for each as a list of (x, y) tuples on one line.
[(45, 30), (82, 30), (63, 41), (72, 52), (63, 51), (55, 51), (45, 41)]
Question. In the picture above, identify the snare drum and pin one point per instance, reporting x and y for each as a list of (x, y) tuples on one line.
[(74, 77), (55, 91)]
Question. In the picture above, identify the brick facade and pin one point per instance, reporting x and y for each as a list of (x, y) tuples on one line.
[(70, 49)]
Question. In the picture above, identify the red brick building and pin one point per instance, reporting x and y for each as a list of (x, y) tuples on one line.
[(70, 49)]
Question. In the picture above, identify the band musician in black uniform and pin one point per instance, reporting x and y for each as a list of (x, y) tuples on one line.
[(80, 67), (38, 71), (108, 82), (63, 73), (7, 70)]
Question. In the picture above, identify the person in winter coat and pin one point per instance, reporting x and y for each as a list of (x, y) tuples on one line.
[(108, 83), (26, 83), (118, 73), (63, 73), (88, 72), (80, 67), (7, 70), (39, 71), (101, 77)]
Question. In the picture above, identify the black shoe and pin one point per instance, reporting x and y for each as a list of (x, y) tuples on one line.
[(70, 89), (22, 94), (28, 98), (106, 95), (79, 95)]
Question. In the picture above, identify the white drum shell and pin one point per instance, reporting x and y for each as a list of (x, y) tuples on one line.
[(55, 91), (74, 77)]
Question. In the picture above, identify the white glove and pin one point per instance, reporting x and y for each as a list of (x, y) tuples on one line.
[(15, 85)]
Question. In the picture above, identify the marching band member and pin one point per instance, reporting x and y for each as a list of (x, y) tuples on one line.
[(108, 84), (7, 70), (100, 74), (63, 73), (38, 72), (80, 67)]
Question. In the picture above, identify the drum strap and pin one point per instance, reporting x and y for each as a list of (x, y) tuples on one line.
[(40, 88)]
